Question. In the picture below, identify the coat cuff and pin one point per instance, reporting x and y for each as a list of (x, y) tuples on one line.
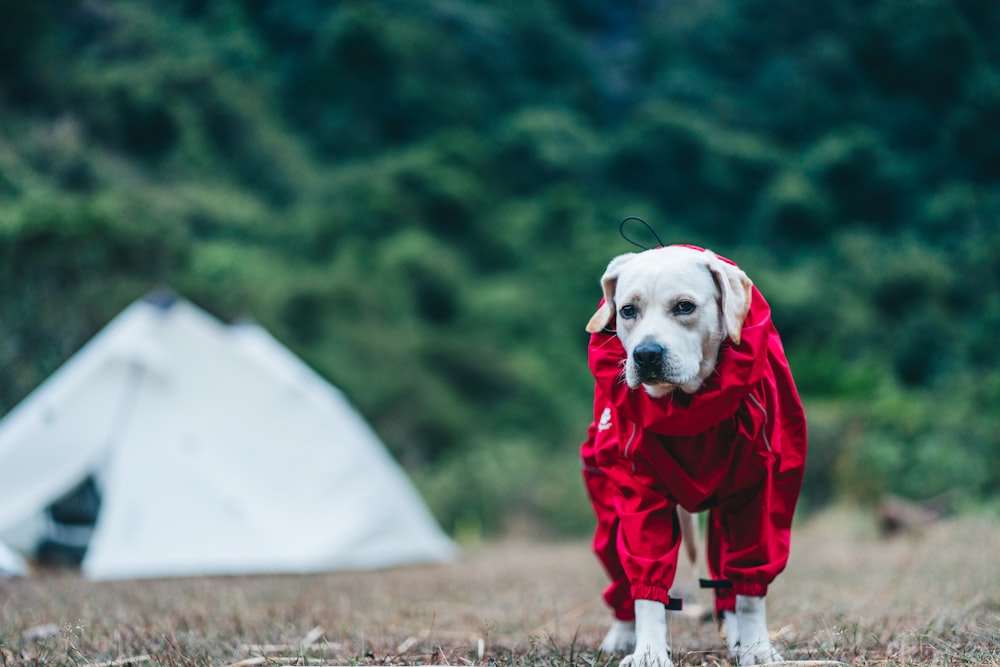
[(750, 588), (651, 592)]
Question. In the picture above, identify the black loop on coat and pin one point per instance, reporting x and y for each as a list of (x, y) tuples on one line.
[(649, 228)]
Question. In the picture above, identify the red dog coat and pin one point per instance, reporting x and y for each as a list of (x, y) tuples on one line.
[(736, 447)]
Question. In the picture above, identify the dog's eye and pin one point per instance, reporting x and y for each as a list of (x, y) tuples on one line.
[(628, 311), (684, 308)]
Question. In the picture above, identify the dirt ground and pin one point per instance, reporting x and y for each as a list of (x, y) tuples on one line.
[(929, 598)]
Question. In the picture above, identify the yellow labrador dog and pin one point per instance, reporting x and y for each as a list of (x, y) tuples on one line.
[(709, 419), (676, 306)]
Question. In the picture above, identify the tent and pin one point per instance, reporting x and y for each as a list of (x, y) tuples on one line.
[(11, 563), (214, 451)]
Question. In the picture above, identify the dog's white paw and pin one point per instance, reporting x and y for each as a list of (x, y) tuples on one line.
[(648, 657), (732, 630), (620, 637), (746, 633), (757, 652), (651, 649), (759, 655)]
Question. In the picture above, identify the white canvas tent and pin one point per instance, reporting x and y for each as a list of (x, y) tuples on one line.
[(11, 563), (215, 450)]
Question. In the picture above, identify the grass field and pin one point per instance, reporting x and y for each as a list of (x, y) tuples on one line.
[(923, 599)]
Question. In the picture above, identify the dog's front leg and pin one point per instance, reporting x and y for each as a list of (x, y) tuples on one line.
[(746, 633), (651, 648), (620, 637)]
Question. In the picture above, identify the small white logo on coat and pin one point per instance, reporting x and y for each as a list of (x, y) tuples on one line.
[(605, 422)]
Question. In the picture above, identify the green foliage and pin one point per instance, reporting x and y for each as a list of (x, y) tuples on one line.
[(535, 489), (793, 211), (419, 199), (545, 146), (853, 167), (913, 445), (69, 262)]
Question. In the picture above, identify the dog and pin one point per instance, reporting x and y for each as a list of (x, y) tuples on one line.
[(695, 409)]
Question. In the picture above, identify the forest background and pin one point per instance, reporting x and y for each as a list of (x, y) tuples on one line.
[(418, 197)]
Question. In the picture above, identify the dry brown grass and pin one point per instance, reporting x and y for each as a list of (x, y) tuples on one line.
[(929, 599)]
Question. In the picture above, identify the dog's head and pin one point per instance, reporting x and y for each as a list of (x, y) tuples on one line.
[(674, 307)]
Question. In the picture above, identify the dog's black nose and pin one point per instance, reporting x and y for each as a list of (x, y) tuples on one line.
[(648, 354)]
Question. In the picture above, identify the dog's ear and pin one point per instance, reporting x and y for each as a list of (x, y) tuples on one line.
[(609, 281), (735, 290)]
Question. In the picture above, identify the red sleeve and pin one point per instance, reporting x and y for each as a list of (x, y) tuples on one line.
[(649, 539)]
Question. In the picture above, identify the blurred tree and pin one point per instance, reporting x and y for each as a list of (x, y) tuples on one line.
[(420, 197), (26, 38), (68, 263), (857, 171)]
